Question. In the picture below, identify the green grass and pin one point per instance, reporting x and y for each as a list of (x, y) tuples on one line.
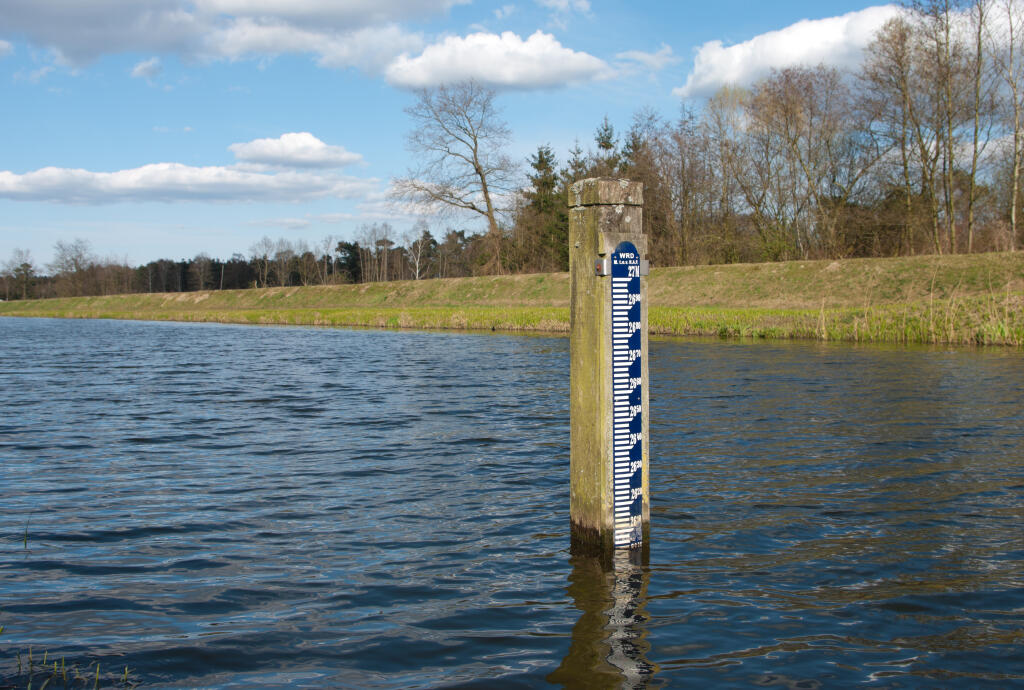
[(964, 299)]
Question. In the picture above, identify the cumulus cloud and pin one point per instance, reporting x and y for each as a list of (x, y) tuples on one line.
[(370, 48), (504, 60), (5, 48), (170, 182), (296, 150), (837, 41), (147, 69), (363, 34)]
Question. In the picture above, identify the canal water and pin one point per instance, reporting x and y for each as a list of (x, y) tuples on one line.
[(229, 506)]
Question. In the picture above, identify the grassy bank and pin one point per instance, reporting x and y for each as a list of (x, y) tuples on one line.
[(959, 299)]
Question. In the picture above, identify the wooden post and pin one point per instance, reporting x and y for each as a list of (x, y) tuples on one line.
[(609, 485)]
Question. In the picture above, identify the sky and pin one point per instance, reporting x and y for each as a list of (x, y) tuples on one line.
[(168, 128)]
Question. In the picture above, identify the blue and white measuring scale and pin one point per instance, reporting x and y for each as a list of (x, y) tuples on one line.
[(627, 417)]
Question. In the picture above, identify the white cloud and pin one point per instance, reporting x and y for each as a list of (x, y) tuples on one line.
[(249, 180), (247, 36), (504, 11), (6, 48), (296, 223), (347, 14), (358, 33), (655, 62), (147, 69), (364, 34), (370, 49), (562, 9), (566, 5), (287, 223), (506, 60), (296, 150), (837, 41), (34, 76), (82, 31), (170, 182)]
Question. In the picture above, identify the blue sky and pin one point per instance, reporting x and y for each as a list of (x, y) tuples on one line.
[(166, 128)]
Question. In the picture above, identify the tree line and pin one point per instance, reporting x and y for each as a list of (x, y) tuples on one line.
[(918, 150)]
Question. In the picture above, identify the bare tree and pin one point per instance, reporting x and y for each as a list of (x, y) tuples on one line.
[(458, 139), (885, 86), (723, 126), (958, 65), (71, 264), (306, 263), (24, 271), (18, 273), (982, 99), (904, 74), (1009, 63), (810, 113), (261, 253), (201, 271), (284, 254), (764, 172), (375, 249), (420, 246), (325, 248), (936, 19)]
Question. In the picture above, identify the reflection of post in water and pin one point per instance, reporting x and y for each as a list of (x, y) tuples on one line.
[(609, 641)]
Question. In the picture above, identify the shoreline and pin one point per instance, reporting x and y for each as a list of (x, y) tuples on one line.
[(934, 324), (949, 300)]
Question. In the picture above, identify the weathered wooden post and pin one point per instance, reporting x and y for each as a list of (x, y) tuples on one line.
[(609, 489)]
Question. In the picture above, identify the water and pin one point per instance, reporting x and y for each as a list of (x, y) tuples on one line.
[(226, 506)]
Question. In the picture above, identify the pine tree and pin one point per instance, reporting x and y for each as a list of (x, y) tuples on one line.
[(547, 213), (607, 156)]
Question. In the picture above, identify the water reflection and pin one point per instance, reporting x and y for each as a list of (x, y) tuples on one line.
[(609, 641)]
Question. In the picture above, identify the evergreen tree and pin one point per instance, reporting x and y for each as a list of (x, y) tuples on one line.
[(547, 214), (607, 157), (576, 168), (349, 261)]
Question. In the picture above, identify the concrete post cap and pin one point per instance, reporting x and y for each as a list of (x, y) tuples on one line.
[(606, 191)]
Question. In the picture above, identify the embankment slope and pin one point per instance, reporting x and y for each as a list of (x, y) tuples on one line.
[(959, 299)]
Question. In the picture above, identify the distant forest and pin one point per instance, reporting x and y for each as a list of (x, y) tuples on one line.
[(918, 150)]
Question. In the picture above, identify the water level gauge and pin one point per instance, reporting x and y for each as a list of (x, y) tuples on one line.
[(627, 417)]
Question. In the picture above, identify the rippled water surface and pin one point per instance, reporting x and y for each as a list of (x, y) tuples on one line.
[(227, 506)]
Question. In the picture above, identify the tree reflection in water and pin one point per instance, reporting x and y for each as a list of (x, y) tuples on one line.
[(609, 641)]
